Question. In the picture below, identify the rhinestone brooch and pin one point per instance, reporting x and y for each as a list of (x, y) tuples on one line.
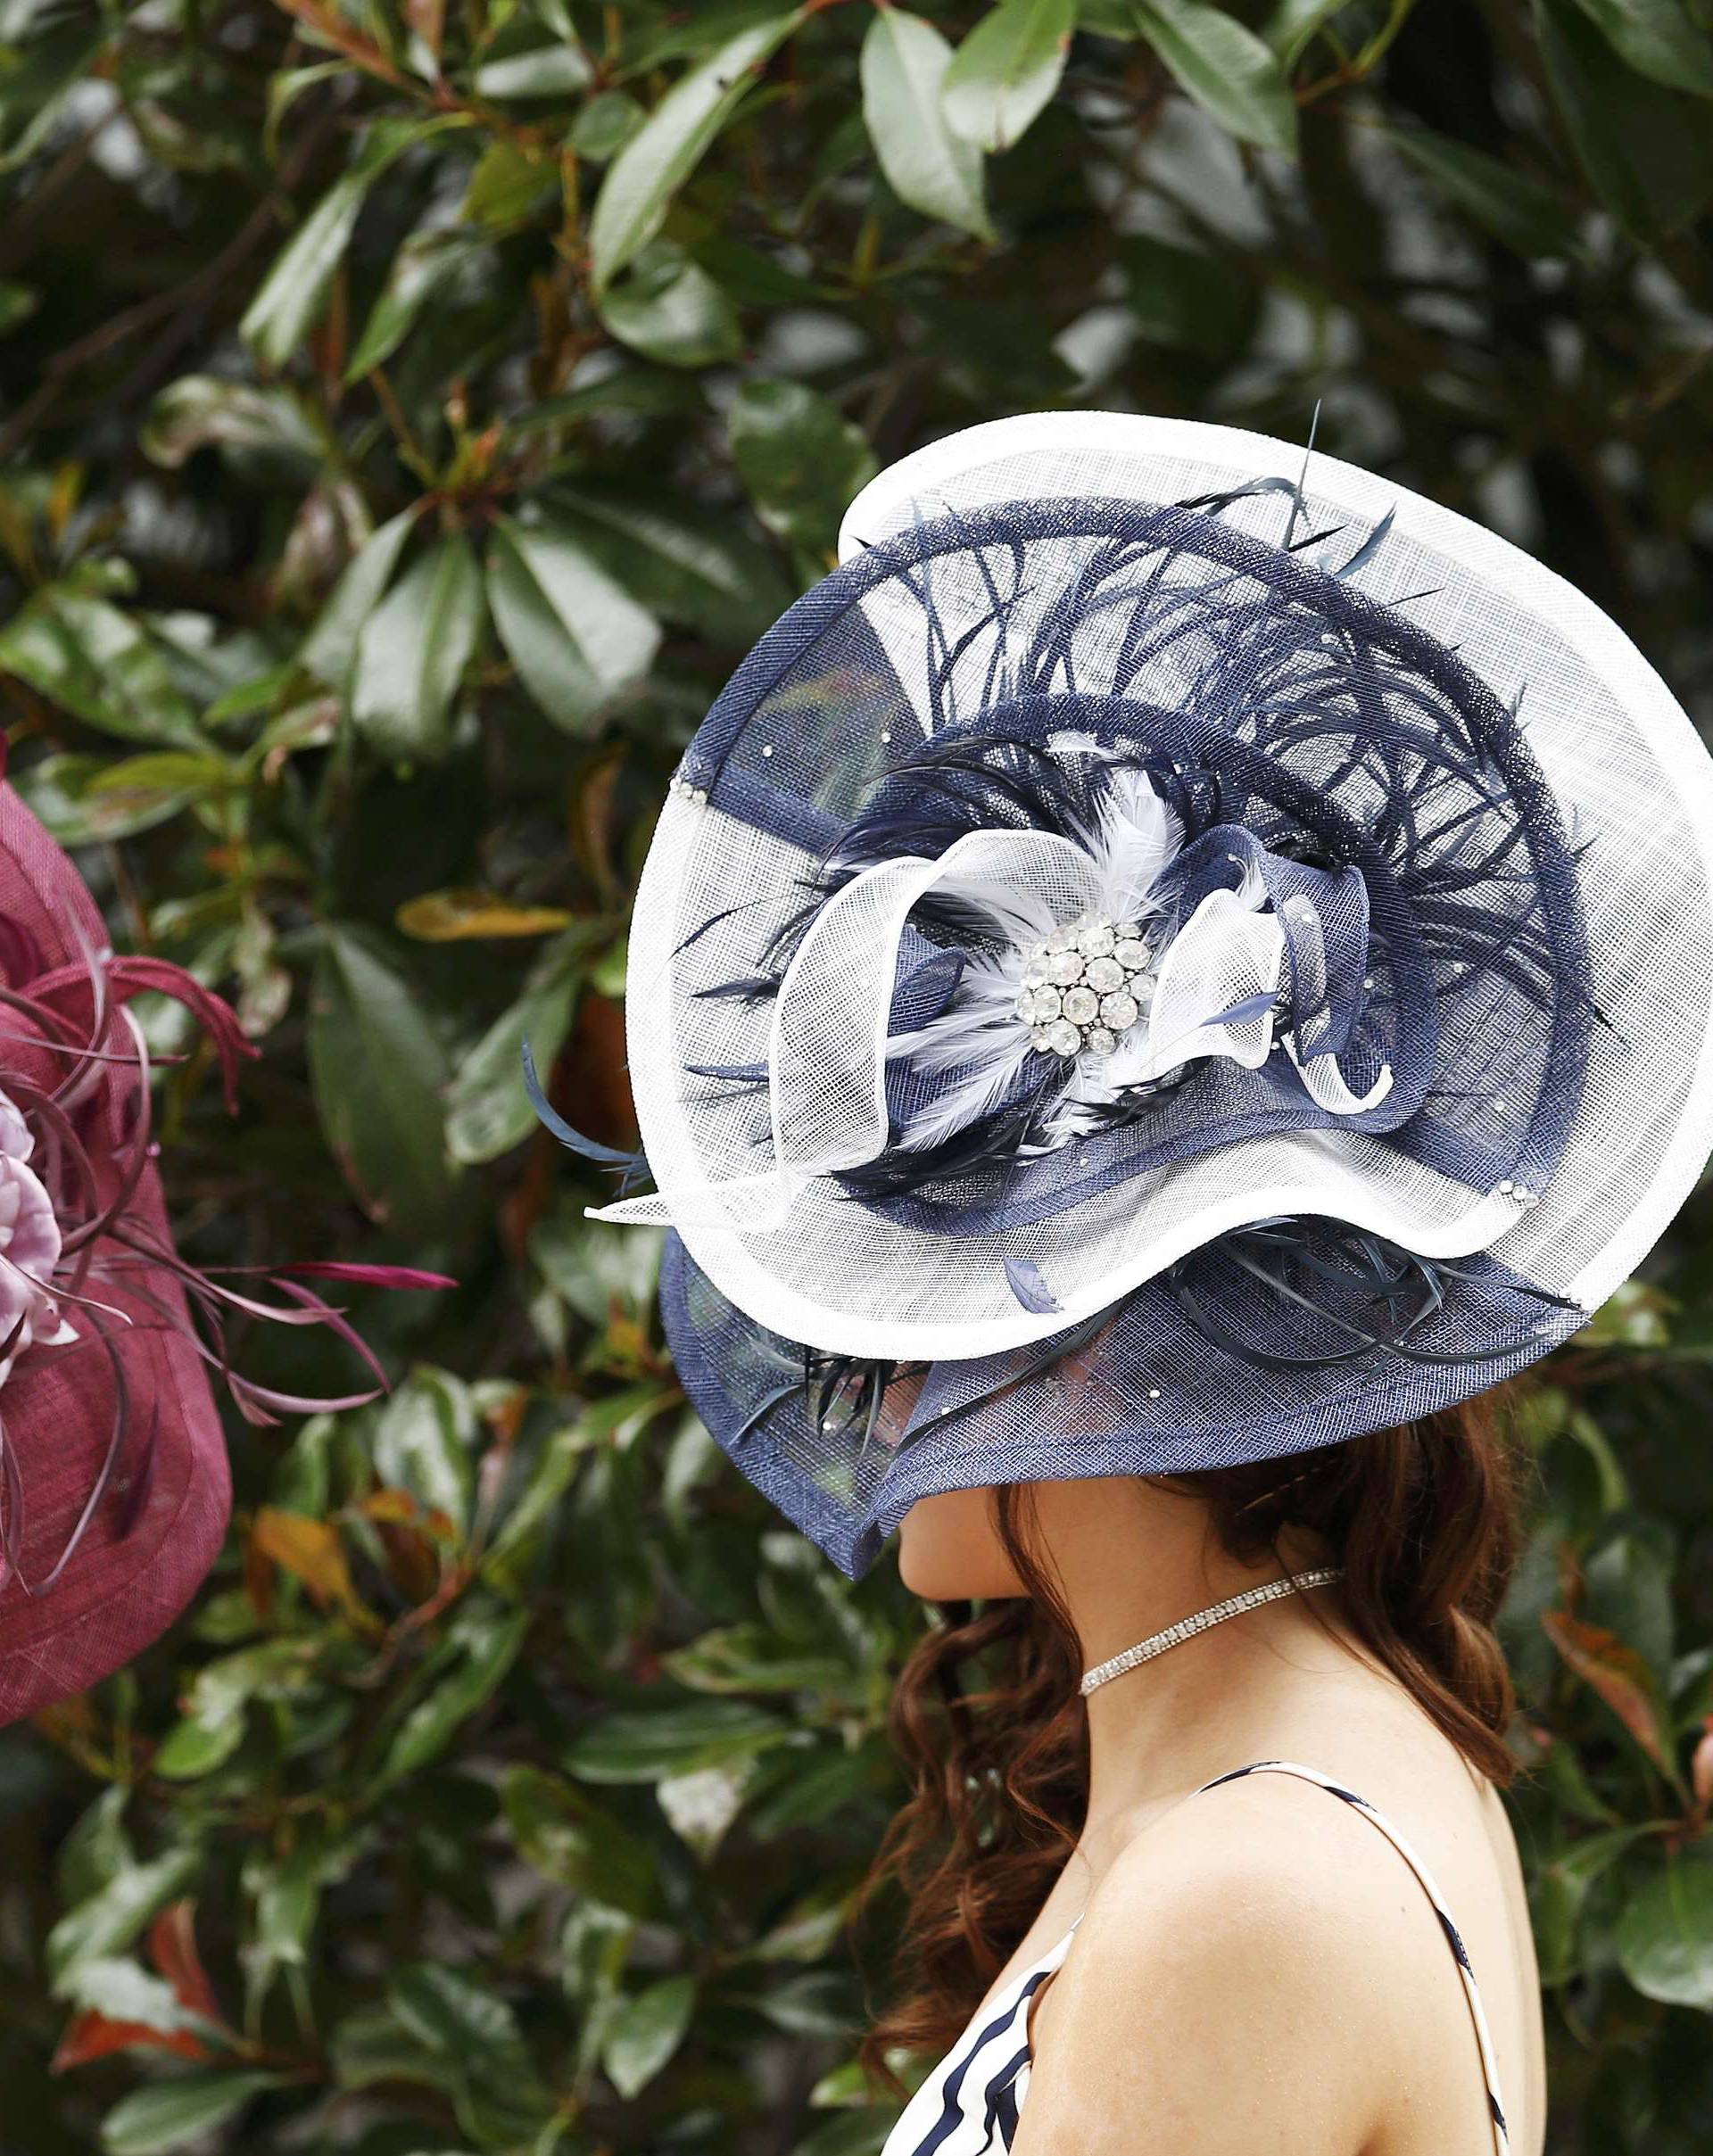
[(1085, 986)]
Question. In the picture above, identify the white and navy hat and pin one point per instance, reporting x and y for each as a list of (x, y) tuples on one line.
[(1170, 955)]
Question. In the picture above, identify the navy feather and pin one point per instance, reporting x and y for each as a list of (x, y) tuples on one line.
[(630, 1164), (1023, 1276)]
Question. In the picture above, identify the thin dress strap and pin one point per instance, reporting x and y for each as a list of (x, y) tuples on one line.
[(1471, 1991)]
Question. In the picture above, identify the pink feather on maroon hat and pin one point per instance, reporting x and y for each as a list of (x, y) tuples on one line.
[(114, 1487)]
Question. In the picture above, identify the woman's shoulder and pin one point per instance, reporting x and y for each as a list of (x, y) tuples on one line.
[(1231, 1984), (1260, 1864)]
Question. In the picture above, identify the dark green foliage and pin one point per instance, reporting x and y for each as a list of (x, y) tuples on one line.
[(414, 412)]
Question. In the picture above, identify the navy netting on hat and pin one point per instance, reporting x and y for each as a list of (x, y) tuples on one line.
[(844, 1452)]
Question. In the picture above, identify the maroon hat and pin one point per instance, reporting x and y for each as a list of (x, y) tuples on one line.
[(115, 1488)]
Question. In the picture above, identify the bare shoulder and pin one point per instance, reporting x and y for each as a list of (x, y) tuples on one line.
[(1229, 1988)]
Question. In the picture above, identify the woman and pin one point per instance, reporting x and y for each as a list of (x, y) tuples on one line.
[(1253, 1964), (1137, 1024)]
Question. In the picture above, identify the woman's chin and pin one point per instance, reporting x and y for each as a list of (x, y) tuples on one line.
[(950, 1550)]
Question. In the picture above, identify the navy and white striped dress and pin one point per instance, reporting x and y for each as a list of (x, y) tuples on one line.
[(968, 2105)]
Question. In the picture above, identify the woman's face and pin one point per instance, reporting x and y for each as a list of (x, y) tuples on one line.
[(949, 1549)]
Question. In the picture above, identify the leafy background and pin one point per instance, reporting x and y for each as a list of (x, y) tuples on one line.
[(412, 413)]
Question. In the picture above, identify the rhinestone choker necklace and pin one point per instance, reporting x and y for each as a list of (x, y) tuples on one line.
[(1187, 1628)]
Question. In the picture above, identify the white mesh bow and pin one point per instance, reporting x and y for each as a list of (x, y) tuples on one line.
[(1217, 983)]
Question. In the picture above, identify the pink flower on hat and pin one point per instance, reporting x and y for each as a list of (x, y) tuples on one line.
[(30, 1247)]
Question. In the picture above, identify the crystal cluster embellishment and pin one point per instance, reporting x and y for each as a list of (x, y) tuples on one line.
[(1085, 986)]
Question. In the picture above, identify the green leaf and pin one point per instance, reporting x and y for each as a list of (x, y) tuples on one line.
[(487, 1109), (700, 1806), (815, 2002), (1225, 68), (17, 303), (285, 88), (593, 1947), (635, 389), (605, 124), (173, 2114), (1293, 23), (412, 652), (96, 1849), (1648, 151), (545, 71), (428, 264), (753, 1658), (486, 1642), (451, 2012), (371, 2045), (203, 410), (511, 185), (284, 1893), (682, 562), (1528, 216), (294, 291), (1658, 39), (1559, 1891), (83, 799), (670, 309), (517, 1547), (211, 1727), (1006, 70), (575, 637), (646, 1745), (645, 2033), (36, 80), (1665, 1937), (797, 1791), (100, 664), (424, 1441), (569, 1839), (665, 150), (329, 651), (111, 1918), (597, 1273), (800, 458), (471, 2044), (903, 67), (377, 1068), (756, 278)]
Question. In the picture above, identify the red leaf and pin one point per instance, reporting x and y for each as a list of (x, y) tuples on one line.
[(1622, 1678), (172, 1948), (91, 2036), (1701, 1773), (364, 1276)]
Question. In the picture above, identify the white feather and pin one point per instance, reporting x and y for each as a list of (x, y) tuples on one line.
[(980, 1036), (974, 1095), (1132, 842), (986, 1001), (999, 909)]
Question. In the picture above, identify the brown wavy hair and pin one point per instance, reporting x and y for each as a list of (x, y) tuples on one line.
[(991, 1728)]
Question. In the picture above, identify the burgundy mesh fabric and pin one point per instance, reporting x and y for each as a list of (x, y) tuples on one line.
[(158, 1529)]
